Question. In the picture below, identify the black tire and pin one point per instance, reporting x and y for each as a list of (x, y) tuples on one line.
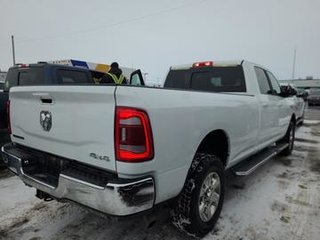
[(186, 213), (289, 138)]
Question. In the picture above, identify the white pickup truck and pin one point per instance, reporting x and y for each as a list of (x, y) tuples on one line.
[(123, 150)]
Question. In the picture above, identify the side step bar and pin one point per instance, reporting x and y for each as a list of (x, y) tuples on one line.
[(248, 166)]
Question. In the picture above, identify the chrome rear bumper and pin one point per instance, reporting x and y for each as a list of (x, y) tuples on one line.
[(120, 198)]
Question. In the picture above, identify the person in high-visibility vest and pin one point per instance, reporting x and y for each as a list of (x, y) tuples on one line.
[(114, 75)]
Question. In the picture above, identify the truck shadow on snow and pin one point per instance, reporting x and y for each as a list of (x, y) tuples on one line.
[(69, 221)]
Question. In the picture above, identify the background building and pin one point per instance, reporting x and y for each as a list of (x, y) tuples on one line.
[(304, 83)]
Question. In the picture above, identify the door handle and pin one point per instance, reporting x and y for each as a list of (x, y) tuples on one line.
[(46, 100), (44, 97)]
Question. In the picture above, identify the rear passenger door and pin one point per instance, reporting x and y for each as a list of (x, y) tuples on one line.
[(269, 113), (281, 106)]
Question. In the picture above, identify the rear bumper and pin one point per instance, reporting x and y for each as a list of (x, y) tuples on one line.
[(121, 197)]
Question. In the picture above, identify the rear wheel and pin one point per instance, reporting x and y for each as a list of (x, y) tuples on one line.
[(199, 204), (289, 138)]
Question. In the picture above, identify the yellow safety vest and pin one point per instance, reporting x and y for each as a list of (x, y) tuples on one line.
[(116, 79)]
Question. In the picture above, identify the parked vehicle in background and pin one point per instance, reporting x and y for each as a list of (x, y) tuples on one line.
[(67, 72), (1, 86), (123, 149), (3, 103), (2, 79), (55, 73), (302, 93), (3, 108), (314, 97), (3, 133), (296, 101)]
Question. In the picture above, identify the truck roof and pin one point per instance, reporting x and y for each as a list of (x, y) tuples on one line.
[(209, 63), (99, 67)]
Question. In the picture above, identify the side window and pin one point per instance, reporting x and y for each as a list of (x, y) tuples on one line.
[(23, 78), (274, 83), (72, 77), (136, 78), (263, 81)]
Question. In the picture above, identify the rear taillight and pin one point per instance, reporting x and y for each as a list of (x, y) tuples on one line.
[(133, 135), (8, 117)]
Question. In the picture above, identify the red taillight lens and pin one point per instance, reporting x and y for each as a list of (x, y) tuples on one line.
[(203, 64), (133, 135), (8, 117)]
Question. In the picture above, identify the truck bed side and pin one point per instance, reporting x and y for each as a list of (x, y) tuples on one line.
[(180, 120)]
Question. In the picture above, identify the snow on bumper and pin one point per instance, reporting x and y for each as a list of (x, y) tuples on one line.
[(119, 198)]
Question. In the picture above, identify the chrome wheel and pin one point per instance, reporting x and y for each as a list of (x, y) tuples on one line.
[(209, 196)]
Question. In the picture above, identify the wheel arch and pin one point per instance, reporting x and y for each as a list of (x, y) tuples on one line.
[(216, 142)]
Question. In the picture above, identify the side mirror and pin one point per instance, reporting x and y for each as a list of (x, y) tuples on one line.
[(287, 91), (294, 92), (136, 78), (303, 95)]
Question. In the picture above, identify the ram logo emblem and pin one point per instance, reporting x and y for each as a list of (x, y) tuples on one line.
[(46, 120)]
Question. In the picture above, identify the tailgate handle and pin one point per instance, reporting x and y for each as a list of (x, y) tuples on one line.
[(46, 100)]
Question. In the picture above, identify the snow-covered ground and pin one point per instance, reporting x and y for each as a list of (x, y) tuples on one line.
[(281, 200)]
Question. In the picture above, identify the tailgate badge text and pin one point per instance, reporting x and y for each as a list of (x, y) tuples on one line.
[(98, 157)]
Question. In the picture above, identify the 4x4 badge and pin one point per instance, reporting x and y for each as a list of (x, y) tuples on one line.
[(46, 120)]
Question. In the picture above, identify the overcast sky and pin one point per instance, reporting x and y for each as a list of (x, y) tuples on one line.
[(152, 35)]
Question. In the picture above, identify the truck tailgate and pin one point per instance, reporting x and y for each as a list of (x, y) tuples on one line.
[(74, 122)]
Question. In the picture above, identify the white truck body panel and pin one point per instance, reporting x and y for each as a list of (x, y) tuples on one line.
[(175, 118), (83, 123)]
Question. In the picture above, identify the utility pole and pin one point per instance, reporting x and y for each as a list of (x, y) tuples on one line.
[(294, 63), (13, 51)]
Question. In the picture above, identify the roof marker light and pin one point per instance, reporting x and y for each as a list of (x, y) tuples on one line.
[(203, 64)]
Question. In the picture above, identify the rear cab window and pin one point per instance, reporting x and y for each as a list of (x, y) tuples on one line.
[(46, 75), (30, 76), (213, 79), (72, 77)]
